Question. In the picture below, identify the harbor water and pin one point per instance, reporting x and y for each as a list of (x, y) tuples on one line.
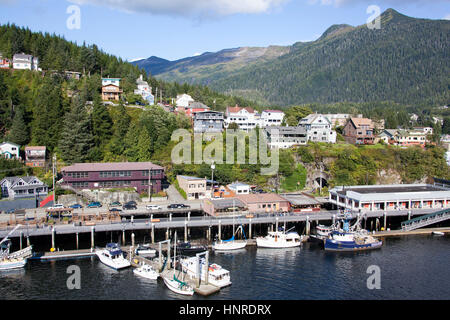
[(412, 267)]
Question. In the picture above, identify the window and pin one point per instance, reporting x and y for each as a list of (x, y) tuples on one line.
[(78, 174), (111, 174)]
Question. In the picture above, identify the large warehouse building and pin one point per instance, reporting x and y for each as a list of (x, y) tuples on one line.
[(390, 197)]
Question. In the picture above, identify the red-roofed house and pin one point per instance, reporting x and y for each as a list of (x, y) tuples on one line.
[(246, 118)]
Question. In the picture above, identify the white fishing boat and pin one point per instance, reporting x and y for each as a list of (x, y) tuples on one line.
[(172, 282), (112, 256), (230, 244), (438, 233), (13, 260), (279, 239), (217, 275), (146, 271)]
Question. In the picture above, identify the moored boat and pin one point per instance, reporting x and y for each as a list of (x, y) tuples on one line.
[(351, 241), (217, 275), (144, 250), (279, 239), (187, 248), (112, 256), (13, 260), (230, 244), (146, 271)]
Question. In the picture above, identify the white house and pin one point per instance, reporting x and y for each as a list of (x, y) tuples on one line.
[(285, 137), (318, 128), (425, 130), (239, 188), (24, 61), (144, 90), (23, 187), (183, 100), (271, 118), (9, 150), (246, 118)]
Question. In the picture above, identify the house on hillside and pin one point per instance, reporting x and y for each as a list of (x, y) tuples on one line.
[(183, 100), (9, 150), (22, 187), (192, 109), (195, 188), (144, 90), (318, 128), (359, 131), (246, 118), (24, 61), (4, 62), (208, 121), (285, 137), (271, 118), (35, 156), (111, 89)]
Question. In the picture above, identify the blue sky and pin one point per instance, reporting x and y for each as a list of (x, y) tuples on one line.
[(174, 29)]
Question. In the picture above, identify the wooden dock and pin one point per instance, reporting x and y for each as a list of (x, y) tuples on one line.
[(397, 233), (61, 255)]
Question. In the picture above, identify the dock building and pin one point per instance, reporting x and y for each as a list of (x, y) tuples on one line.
[(390, 197)]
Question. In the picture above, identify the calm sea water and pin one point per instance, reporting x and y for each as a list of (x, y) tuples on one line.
[(414, 267)]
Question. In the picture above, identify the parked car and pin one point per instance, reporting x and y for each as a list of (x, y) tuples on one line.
[(132, 202), (115, 210), (56, 206), (177, 206), (129, 206), (94, 204), (115, 204), (76, 206), (153, 207)]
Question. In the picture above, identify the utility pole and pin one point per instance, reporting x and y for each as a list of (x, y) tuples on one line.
[(54, 174)]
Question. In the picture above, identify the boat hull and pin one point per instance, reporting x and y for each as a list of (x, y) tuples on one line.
[(263, 243), (228, 246), (174, 286), (116, 265), (333, 245), (147, 275), (11, 265)]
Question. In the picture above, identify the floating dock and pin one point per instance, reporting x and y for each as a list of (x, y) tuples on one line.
[(398, 233)]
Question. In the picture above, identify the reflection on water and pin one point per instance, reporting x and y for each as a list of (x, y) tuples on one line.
[(411, 268)]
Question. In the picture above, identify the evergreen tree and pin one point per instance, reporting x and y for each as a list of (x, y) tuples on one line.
[(19, 131), (144, 146), (76, 137)]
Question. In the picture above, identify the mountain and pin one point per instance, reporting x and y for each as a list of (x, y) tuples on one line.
[(208, 66), (405, 61)]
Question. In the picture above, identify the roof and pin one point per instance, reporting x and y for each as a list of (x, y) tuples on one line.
[(261, 198), (279, 111), (312, 117), (300, 199), (7, 142), (190, 178), (236, 109), (238, 184), (195, 104), (227, 203), (36, 148), (111, 166), (361, 122), (22, 56)]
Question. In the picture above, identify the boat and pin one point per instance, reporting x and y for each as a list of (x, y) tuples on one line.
[(438, 233), (217, 275), (279, 239), (172, 282), (113, 256), (230, 244), (13, 260), (321, 233), (186, 248), (144, 250), (146, 271), (351, 238)]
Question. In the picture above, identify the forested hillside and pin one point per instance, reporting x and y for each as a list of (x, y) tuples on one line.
[(406, 61)]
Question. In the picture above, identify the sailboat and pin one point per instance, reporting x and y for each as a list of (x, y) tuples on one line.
[(231, 244), (172, 282), (14, 260)]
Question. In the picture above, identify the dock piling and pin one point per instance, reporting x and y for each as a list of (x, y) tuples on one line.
[(92, 237), (53, 237), (250, 229), (123, 237), (28, 241), (220, 230), (21, 235), (185, 230), (132, 240), (153, 233), (76, 237)]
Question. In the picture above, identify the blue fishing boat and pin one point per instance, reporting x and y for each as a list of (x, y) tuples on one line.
[(351, 239)]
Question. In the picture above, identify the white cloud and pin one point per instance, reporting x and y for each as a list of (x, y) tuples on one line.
[(339, 3), (190, 8), (447, 17), (196, 54)]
